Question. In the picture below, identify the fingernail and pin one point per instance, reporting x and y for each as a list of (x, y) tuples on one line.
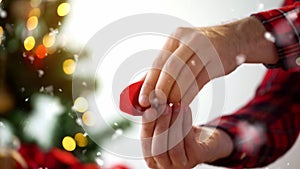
[(143, 100)]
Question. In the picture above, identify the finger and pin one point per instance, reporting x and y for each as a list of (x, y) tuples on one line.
[(190, 145), (176, 137), (152, 76), (160, 139), (148, 121), (186, 77), (187, 121), (201, 79), (172, 68)]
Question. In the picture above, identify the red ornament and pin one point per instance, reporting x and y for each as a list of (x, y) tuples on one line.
[(53, 159), (120, 166), (129, 99), (64, 156)]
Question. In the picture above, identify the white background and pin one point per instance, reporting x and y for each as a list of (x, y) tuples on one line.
[(89, 16)]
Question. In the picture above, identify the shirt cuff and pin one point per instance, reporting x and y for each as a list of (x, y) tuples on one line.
[(247, 140), (283, 26), (236, 158)]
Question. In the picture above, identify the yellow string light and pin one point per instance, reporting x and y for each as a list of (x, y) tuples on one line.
[(35, 3), (49, 40), (87, 119), (29, 43), (81, 140), (32, 22), (1, 34), (1, 31), (81, 104), (63, 9), (52, 50), (68, 143), (69, 66), (34, 12)]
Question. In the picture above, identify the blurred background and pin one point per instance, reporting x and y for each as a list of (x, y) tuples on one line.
[(41, 40)]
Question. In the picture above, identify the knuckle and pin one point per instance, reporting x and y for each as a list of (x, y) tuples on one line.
[(145, 132), (176, 93), (151, 163), (160, 158), (162, 127), (175, 152), (180, 30), (158, 62), (148, 85), (187, 71), (172, 64)]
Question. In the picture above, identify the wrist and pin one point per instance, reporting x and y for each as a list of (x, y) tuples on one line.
[(219, 143), (252, 41), (226, 43), (225, 144)]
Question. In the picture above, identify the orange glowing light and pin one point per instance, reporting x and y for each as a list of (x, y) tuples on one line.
[(1, 34), (49, 40), (81, 140), (35, 12), (32, 23), (41, 52)]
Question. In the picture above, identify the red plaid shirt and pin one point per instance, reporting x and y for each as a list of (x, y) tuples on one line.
[(267, 127)]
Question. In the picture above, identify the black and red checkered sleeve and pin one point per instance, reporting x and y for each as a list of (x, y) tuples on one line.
[(267, 127), (284, 25)]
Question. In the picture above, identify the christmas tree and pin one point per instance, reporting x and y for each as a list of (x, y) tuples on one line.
[(36, 68)]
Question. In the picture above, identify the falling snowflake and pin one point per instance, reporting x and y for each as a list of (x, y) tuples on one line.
[(76, 57), (31, 58), (260, 6), (99, 161), (117, 134), (193, 62), (293, 15), (251, 133), (269, 37), (70, 115), (53, 31), (1, 124), (3, 14), (98, 154), (22, 89), (79, 122), (40, 73), (42, 89), (240, 59)]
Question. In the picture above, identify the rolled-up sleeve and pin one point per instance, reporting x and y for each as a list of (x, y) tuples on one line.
[(267, 127), (283, 25)]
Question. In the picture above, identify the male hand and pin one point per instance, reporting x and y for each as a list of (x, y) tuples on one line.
[(170, 141), (194, 56)]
